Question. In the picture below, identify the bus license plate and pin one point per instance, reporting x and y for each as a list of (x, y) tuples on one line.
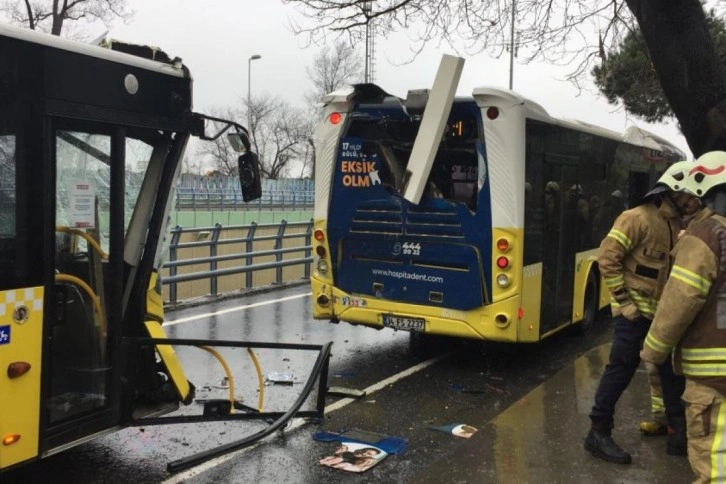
[(404, 324)]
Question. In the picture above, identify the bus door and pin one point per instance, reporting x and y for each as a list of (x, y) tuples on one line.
[(79, 380), (560, 241)]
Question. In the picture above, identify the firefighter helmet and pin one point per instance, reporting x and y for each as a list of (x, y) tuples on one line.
[(675, 178), (708, 171)]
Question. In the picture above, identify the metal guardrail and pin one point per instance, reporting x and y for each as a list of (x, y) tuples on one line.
[(248, 267), (210, 199)]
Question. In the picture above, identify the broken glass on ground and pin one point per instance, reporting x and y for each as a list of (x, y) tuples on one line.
[(278, 378)]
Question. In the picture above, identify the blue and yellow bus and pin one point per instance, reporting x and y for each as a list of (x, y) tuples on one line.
[(502, 245)]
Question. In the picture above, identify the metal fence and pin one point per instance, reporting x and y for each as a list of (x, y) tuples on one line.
[(262, 253), (213, 199)]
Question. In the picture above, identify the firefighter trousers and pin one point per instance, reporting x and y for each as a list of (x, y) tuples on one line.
[(706, 428), (628, 337)]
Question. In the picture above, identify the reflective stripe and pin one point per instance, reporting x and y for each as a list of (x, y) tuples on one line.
[(646, 305), (657, 345), (621, 238), (718, 448), (703, 354), (691, 278), (700, 369), (615, 281)]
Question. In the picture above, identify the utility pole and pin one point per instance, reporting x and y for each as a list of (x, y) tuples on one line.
[(369, 75), (511, 46)]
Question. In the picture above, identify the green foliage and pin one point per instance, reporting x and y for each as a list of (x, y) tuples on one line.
[(627, 75)]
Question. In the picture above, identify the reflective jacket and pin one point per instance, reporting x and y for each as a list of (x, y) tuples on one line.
[(691, 317), (634, 257)]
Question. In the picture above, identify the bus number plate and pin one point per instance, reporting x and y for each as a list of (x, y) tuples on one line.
[(404, 324)]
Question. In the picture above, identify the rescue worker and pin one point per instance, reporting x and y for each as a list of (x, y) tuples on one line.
[(658, 424), (634, 262), (691, 321)]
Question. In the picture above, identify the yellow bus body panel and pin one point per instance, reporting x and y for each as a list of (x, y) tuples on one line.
[(172, 363), (20, 397)]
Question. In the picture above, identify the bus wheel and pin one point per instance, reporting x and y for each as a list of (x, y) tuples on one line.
[(590, 307)]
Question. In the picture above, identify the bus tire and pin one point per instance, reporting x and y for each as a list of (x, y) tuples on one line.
[(589, 309)]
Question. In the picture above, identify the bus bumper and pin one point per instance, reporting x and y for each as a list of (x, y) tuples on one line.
[(495, 322)]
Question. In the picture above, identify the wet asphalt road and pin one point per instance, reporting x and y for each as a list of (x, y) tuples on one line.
[(451, 381)]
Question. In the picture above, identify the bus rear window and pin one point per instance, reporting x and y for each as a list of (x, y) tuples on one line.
[(455, 171)]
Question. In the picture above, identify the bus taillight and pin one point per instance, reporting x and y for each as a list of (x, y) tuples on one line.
[(503, 245), (18, 368), (319, 235), (335, 118), (320, 250), (502, 262), (493, 112), (11, 439)]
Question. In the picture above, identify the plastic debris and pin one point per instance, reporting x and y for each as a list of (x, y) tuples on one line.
[(346, 392), (278, 378), (457, 429)]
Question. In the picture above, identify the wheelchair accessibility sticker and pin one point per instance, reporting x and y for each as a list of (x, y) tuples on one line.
[(4, 335)]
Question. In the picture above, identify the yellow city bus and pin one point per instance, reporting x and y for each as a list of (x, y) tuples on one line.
[(502, 244), (91, 140)]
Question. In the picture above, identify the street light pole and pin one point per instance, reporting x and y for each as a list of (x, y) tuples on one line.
[(249, 90), (511, 45)]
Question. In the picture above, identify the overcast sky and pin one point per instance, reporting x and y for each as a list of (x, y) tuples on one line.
[(215, 38)]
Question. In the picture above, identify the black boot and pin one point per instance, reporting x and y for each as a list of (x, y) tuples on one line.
[(601, 445), (677, 443)]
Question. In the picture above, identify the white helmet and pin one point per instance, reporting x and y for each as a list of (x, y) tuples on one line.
[(708, 171), (674, 178)]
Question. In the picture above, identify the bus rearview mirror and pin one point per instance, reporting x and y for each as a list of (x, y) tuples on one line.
[(249, 176), (238, 141)]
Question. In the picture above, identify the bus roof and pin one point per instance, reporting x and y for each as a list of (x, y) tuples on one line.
[(633, 135), (91, 50)]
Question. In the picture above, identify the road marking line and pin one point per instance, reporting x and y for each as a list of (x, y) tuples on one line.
[(235, 309), (296, 423)]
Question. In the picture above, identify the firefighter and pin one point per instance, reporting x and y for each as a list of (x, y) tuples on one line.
[(634, 262), (658, 424), (691, 321)]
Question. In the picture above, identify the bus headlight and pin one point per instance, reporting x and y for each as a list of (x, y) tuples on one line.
[(503, 280), (322, 266)]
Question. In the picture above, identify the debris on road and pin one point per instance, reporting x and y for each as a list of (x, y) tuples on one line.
[(457, 429), (278, 378), (346, 392)]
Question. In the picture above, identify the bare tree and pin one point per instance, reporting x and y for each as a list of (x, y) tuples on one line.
[(51, 15), (278, 132), (218, 153), (572, 32), (332, 68)]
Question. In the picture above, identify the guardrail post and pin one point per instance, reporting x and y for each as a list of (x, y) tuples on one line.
[(213, 253), (175, 236), (249, 243), (309, 250), (278, 246)]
